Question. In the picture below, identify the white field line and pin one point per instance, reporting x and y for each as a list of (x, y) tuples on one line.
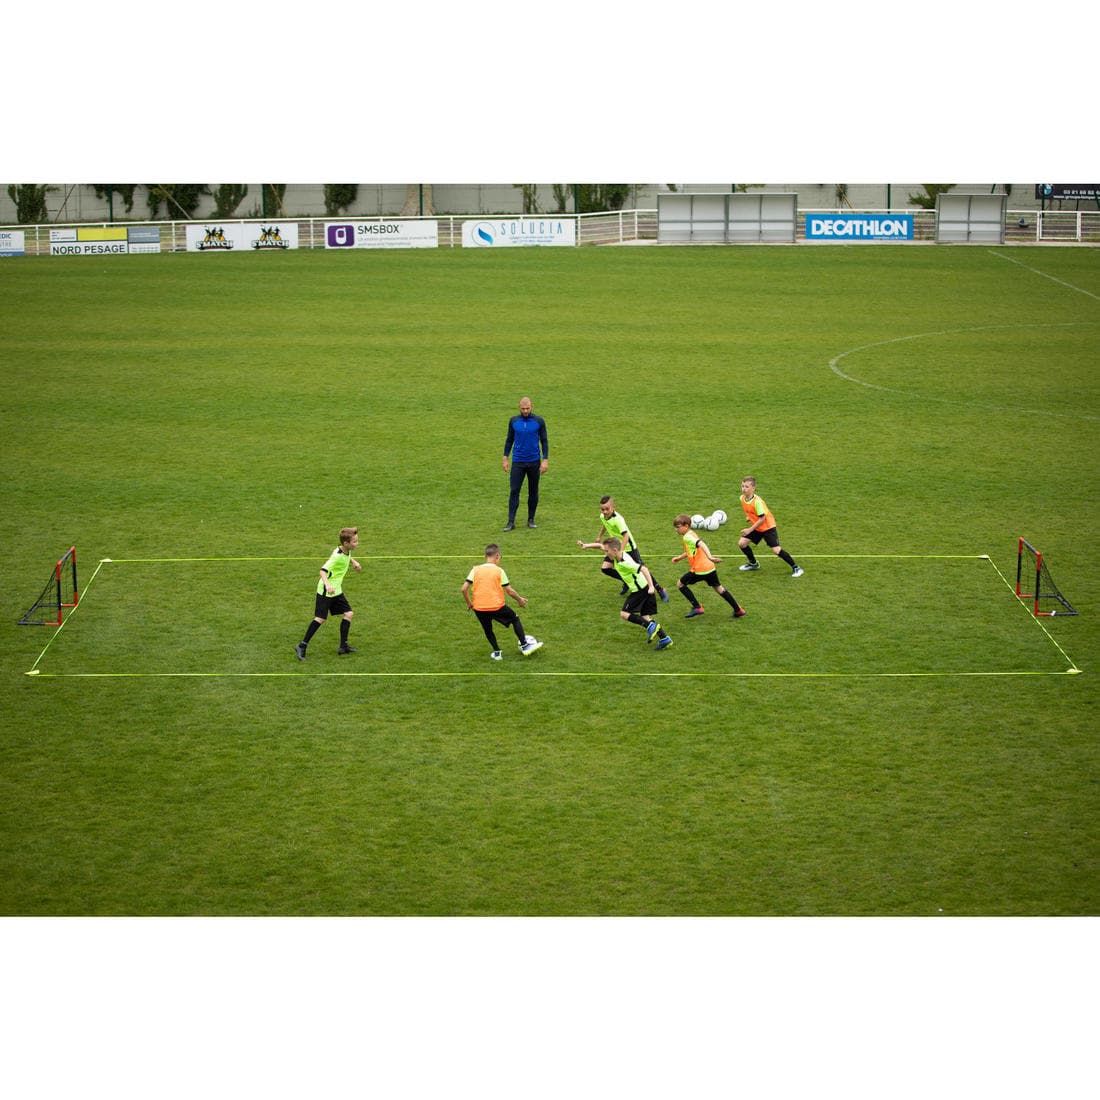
[(835, 367)]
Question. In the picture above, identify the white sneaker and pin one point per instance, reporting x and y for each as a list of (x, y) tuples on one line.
[(797, 571), (496, 655), (749, 566), (530, 647)]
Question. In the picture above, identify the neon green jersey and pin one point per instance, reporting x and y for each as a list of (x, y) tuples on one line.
[(337, 568), (631, 573), (616, 527)]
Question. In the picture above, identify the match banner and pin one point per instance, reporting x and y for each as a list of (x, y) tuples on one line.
[(236, 237), (859, 227), (382, 234), (13, 242), (518, 232)]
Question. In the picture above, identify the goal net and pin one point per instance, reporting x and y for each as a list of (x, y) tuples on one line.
[(47, 609), (1034, 582)]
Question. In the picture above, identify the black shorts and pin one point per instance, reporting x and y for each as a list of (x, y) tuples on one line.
[(324, 605), (771, 536), (710, 578), (641, 603), (503, 615)]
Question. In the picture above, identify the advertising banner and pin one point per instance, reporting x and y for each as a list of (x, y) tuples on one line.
[(13, 242), (89, 241), (517, 232), (235, 237), (381, 234), (1068, 191), (859, 227)]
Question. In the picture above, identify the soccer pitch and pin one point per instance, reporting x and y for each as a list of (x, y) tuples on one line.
[(892, 733)]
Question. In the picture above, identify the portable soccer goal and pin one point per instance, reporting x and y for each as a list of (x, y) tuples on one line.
[(1032, 572), (49, 607)]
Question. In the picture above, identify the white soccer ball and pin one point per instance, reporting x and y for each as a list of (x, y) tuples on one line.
[(720, 516), (697, 521), (710, 523)]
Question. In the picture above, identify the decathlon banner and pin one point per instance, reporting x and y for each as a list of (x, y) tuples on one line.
[(13, 242), (382, 234), (513, 232), (237, 237), (859, 227)]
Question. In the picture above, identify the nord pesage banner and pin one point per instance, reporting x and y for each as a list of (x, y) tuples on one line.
[(859, 227)]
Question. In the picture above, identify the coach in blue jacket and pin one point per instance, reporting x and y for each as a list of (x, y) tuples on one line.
[(530, 452)]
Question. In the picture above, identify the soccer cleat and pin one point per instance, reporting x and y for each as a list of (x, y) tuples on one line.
[(739, 612), (663, 594), (530, 647), (749, 566), (531, 523), (300, 649), (344, 649), (509, 526), (664, 642), (496, 655), (693, 612), (797, 572), (651, 628)]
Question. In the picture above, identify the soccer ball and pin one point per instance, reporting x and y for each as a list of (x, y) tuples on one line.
[(697, 521), (710, 523), (720, 516)]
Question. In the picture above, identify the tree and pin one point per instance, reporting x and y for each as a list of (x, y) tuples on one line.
[(597, 197), (227, 197), (530, 197), (126, 190), (30, 202), (927, 201), (179, 199), (339, 196)]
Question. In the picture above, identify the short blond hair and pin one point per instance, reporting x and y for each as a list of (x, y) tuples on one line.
[(347, 534)]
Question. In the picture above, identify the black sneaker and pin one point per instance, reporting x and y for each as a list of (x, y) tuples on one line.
[(509, 526), (300, 649), (345, 649), (531, 523)]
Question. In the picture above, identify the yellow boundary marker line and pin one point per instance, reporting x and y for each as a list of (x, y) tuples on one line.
[(35, 671)]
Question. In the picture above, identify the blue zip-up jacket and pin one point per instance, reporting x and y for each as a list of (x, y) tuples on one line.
[(525, 436)]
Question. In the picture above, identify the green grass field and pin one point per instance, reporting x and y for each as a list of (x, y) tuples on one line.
[(892, 733)]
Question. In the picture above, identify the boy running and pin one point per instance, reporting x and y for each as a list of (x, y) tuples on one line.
[(614, 527), (483, 590), (704, 567), (330, 598), (761, 526), (641, 601)]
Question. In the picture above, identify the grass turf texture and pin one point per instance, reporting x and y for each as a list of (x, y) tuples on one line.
[(184, 407)]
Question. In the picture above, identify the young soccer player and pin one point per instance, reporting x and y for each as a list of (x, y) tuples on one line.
[(614, 527), (761, 526), (483, 590), (641, 600), (704, 567), (330, 598)]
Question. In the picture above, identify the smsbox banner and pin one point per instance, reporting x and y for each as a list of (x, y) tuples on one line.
[(382, 234), (235, 237), (13, 242), (513, 232), (859, 227)]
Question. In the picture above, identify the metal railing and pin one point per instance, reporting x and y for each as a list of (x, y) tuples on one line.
[(612, 227)]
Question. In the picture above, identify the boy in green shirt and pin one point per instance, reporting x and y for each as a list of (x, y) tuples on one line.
[(615, 527), (641, 600), (330, 599)]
